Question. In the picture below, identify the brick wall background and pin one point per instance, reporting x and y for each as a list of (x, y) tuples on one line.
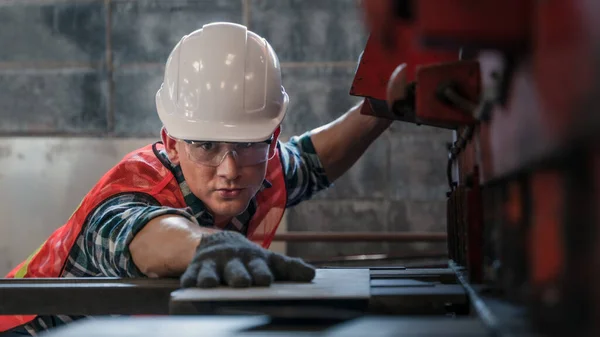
[(90, 68)]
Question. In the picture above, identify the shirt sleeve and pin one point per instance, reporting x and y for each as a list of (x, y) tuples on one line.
[(113, 225), (304, 173)]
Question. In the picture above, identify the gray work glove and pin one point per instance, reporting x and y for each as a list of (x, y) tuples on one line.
[(228, 257)]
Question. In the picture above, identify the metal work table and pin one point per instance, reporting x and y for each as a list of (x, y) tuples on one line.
[(434, 292), (391, 290)]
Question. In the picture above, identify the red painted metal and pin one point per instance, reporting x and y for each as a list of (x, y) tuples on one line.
[(566, 65), (514, 239), (504, 24), (539, 69), (379, 19), (546, 259), (377, 63), (431, 110)]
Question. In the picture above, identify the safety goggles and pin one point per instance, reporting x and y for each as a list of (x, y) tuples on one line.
[(213, 153)]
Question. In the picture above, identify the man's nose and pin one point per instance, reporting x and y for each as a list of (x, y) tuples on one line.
[(228, 168)]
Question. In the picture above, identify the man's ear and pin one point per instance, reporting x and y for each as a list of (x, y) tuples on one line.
[(273, 146), (170, 146)]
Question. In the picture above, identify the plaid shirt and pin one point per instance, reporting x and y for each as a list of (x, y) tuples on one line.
[(102, 247)]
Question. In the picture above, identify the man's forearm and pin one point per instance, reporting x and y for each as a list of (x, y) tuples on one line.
[(166, 245), (342, 142)]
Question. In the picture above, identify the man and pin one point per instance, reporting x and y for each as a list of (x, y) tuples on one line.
[(191, 206)]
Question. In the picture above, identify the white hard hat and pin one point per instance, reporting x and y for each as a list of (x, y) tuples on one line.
[(222, 83)]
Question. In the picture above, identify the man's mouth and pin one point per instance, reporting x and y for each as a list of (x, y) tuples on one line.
[(228, 193)]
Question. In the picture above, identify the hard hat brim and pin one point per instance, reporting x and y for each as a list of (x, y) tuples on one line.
[(249, 130)]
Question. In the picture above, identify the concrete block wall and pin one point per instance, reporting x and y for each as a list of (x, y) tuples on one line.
[(90, 68)]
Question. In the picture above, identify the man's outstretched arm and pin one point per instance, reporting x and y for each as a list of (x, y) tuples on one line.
[(167, 244), (342, 142), (131, 235)]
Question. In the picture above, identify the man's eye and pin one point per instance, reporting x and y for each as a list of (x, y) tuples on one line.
[(205, 146), (245, 145)]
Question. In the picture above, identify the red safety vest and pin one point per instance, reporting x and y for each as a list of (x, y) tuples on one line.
[(141, 171)]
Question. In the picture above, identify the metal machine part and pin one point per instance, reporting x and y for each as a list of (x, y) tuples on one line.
[(86, 296), (522, 190)]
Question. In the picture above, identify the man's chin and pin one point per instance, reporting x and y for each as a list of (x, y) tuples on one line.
[(231, 207)]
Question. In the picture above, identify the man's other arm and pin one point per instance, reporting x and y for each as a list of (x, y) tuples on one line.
[(342, 142), (313, 161)]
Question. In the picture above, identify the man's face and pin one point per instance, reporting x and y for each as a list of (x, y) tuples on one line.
[(226, 189)]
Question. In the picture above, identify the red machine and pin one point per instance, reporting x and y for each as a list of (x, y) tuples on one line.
[(518, 81)]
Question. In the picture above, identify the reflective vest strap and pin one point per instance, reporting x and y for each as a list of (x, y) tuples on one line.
[(271, 206), (8, 322)]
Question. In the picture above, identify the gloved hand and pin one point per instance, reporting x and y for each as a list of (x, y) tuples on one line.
[(228, 257)]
